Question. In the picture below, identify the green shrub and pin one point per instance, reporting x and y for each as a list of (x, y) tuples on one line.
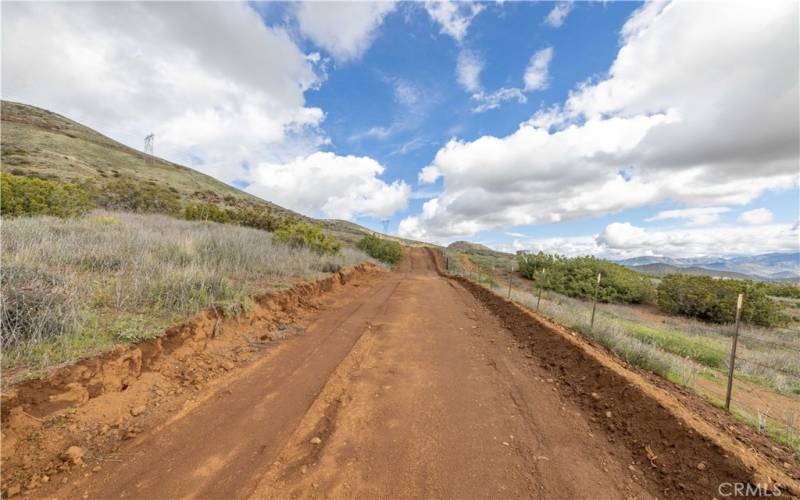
[(187, 293), (714, 300), (384, 250), (257, 218), (31, 196), (129, 196), (781, 290), (206, 212), (301, 234), (577, 277)]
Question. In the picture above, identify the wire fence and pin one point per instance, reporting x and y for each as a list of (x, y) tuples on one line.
[(765, 380)]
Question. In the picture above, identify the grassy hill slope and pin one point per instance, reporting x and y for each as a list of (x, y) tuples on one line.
[(40, 143)]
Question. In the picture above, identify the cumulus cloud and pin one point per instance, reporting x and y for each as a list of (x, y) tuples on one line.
[(696, 216), (756, 216), (428, 175), (218, 87), (559, 14), (454, 18), (657, 127), (536, 74), (342, 187), (344, 29), (624, 240)]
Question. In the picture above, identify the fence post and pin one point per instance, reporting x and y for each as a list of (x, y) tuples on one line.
[(510, 277), (541, 283), (733, 352), (594, 303)]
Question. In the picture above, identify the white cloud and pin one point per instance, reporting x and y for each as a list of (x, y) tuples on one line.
[(621, 240), (559, 13), (428, 175), (756, 216), (454, 18), (536, 74), (217, 86), (342, 187), (658, 127), (345, 29), (468, 70), (696, 216), (624, 240), (492, 100)]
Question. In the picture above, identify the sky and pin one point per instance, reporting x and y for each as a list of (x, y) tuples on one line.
[(616, 129)]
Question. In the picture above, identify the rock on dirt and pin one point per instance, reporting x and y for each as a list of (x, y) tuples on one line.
[(316, 440), (138, 410), (74, 454)]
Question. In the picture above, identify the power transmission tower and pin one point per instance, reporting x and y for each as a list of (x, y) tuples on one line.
[(385, 223), (148, 143)]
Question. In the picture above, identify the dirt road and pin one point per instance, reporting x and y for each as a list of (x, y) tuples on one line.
[(408, 386)]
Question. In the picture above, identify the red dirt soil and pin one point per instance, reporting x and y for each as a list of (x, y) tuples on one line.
[(402, 384)]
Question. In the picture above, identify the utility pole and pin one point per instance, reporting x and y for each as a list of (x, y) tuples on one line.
[(148, 143), (594, 304), (735, 341)]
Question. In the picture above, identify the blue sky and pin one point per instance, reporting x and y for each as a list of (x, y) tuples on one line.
[(623, 139), (410, 50)]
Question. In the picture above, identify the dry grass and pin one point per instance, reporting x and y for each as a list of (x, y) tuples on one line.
[(71, 287)]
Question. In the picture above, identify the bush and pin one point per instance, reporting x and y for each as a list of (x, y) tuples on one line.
[(35, 306), (787, 290), (31, 196), (714, 300), (301, 234), (257, 218), (384, 250), (186, 292), (129, 196), (206, 212), (577, 277)]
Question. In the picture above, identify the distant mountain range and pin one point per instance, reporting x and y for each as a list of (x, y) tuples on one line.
[(769, 266)]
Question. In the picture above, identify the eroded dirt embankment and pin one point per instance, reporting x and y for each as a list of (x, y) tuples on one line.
[(80, 413), (690, 447)]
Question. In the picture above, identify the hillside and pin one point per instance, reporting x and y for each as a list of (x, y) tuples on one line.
[(40, 143), (771, 266), (658, 269)]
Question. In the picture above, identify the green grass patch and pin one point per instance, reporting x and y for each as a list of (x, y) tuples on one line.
[(705, 351)]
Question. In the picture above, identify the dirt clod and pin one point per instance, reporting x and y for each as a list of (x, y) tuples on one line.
[(74, 454)]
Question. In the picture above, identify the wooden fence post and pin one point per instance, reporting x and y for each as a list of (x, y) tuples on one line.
[(735, 340), (594, 303), (510, 277), (541, 284)]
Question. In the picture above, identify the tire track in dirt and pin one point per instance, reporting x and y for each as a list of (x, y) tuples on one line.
[(438, 401), (220, 445)]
